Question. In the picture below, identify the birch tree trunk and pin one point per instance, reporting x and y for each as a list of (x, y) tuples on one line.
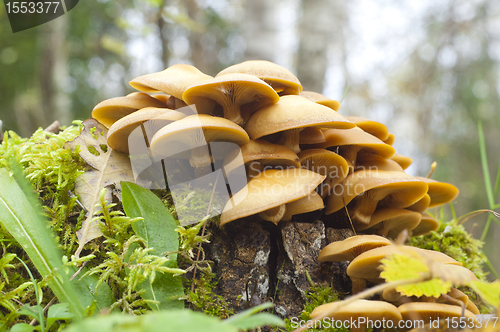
[(259, 29), (316, 28)]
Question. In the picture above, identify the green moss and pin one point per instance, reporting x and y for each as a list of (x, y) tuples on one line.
[(456, 242), (204, 299)]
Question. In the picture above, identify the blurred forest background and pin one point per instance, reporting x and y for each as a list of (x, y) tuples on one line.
[(429, 70)]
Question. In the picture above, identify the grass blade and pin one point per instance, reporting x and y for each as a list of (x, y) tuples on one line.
[(19, 215)]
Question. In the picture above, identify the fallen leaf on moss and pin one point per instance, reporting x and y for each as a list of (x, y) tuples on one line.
[(107, 169)]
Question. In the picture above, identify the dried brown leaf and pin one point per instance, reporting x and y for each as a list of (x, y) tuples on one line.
[(107, 169)]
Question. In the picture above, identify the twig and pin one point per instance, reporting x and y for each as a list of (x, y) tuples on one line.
[(53, 128), (32, 323)]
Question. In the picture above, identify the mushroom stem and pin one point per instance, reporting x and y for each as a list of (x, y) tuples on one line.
[(274, 215), (254, 169), (233, 112), (201, 160), (358, 285), (363, 209), (350, 153), (290, 138)]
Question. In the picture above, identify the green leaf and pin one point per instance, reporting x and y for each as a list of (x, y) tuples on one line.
[(22, 327), (178, 320), (158, 230), (86, 287), (19, 216), (250, 319), (31, 311), (490, 292), (59, 311)]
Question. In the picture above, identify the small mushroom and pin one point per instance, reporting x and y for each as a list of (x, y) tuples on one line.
[(350, 248), (371, 189), (150, 119), (289, 116), (311, 135), (367, 309), (421, 205), (432, 311), (109, 111), (371, 127), (258, 155), (390, 222), (268, 192), (327, 163), (320, 99), (190, 138), (375, 162), (427, 224), (352, 142), (311, 202), (278, 77), (233, 92), (440, 192), (402, 160), (390, 139)]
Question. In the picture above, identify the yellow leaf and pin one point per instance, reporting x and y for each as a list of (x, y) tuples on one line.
[(490, 292), (410, 265)]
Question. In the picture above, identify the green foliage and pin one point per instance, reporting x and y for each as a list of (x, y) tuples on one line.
[(157, 228), (24, 223), (176, 320), (456, 242), (317, 296)]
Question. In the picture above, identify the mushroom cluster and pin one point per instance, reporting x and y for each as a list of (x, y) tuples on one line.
[(282, 152), (294, 151), (365, 252)]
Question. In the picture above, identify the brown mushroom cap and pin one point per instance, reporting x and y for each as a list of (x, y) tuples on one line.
[(109, 111), (379, 189), (432, 311), (289, 115), (174, 80), (320, 99), (372, 310), (352, 142), (232, 91), (390, 222), (421, 205), (440, 192), (390, 139), (263, 153), (427, 224), (189, 137), (402, 160), (366, 265), (375, 162), (311, 135), (350, 248), (278, 77), (372, 127), (269, 190), (311, 202), (118, 134)]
